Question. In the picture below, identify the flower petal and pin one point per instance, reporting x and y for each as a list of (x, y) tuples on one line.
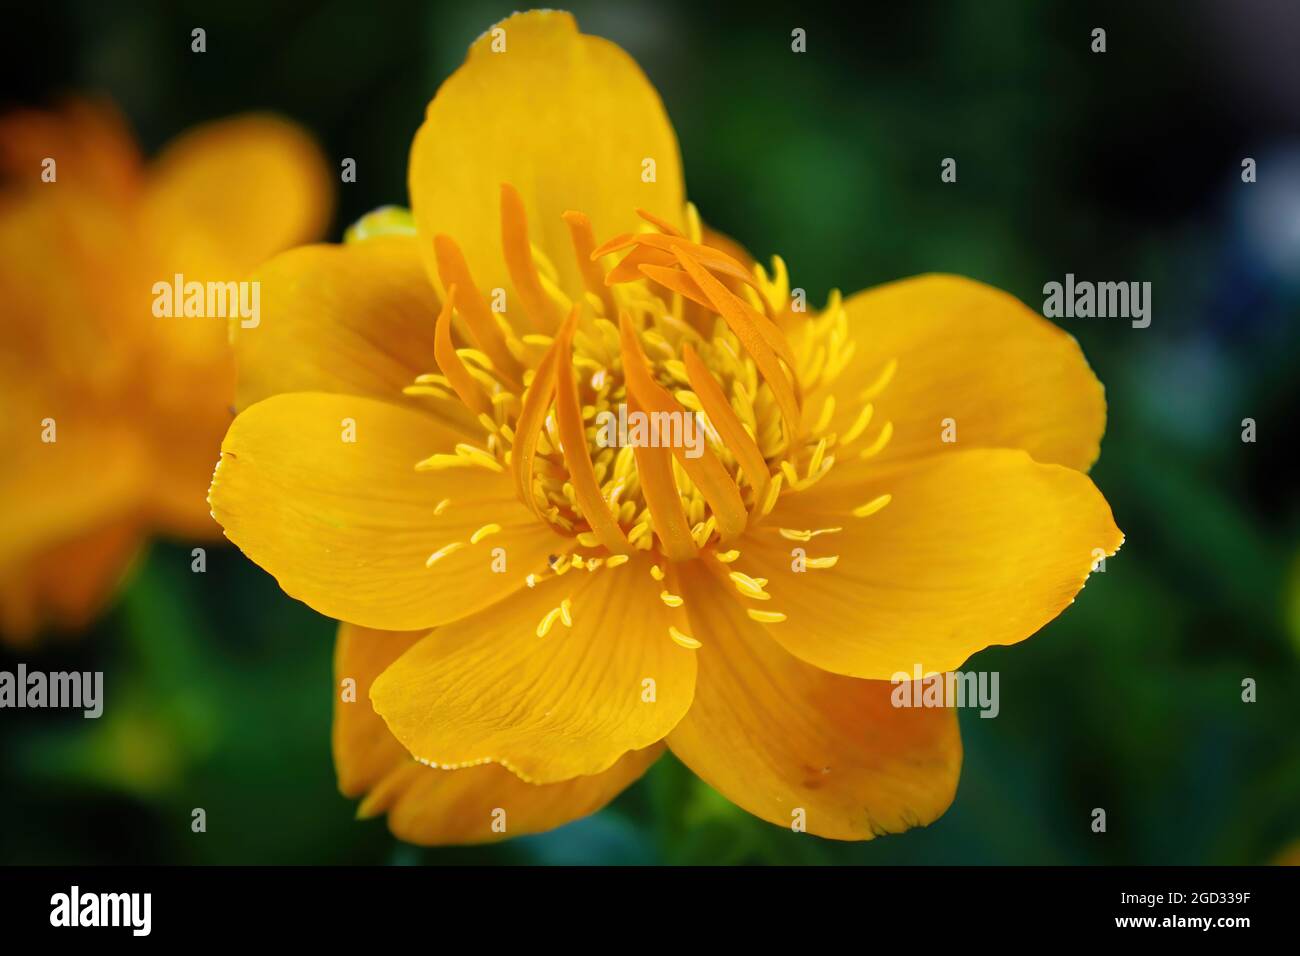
[(552, 707), (356, 319), (346, 527), (437, 807), (1005, 375), (568, 119), (775, 735), (229, 194), (975, 548), (66, 584)]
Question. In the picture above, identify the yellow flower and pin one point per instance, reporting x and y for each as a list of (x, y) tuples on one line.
[(411, 458), (110, 417)]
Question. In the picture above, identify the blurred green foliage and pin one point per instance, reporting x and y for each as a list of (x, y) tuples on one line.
[(1122, 166)]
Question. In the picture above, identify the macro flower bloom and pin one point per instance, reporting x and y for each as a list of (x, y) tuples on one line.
[(532, 615), (110, 417)]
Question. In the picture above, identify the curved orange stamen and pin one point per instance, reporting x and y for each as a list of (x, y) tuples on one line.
[(573, 438), (528, 428), (444, 352), (584, 244), (748, 329), (717, 487), (655, 471), (724, 419), (538, 306), (454, 271), (663, 225)]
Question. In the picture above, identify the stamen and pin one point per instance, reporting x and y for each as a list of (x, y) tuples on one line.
[(566, 612), (453, 271), (483, 532), (444, 351), (538, 306), (528, 429), (706, 472), (765, 617), (733, 434), (662, 225), (545, 624), (872, 506), (577, 456), (617, 560), (791, 534), (583, 238), (478, 456), (881, 382), (753, 336), (672, 600), (749, 587), (829, 561), (877, 446), (685, 640), (443, 552), (655, 470), (860, 424)]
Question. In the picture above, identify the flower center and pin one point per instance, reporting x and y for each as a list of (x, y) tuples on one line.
[(664, 409)]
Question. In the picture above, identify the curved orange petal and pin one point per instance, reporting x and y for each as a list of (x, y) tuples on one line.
[(966, 351), (569, 701), (349, 527), (437, 807), (973, 548), (794, 744), (566, 118)]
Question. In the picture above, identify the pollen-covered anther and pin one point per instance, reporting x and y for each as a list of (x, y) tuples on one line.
[(548, 621), (794, 534), (750, 587), (765, 617), (483, 532), (683, 639), (443, 552), (872, 506)]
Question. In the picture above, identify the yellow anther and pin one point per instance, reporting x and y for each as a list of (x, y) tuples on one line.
[(872, 506), (685, 640)]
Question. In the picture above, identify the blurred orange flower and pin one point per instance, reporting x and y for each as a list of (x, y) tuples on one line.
[(111, 417)]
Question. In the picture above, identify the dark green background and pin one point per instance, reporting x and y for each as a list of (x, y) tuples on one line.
[(1122, 166)]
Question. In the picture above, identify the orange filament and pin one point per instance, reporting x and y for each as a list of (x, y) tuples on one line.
[(730, 430), (748, 331), (453, 271), (462, 383), (706, 471), (584, 244), (538, 306), (577, 455), (654, 468)]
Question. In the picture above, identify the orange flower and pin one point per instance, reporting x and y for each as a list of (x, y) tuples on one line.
[(534, 613), (111, 417)]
